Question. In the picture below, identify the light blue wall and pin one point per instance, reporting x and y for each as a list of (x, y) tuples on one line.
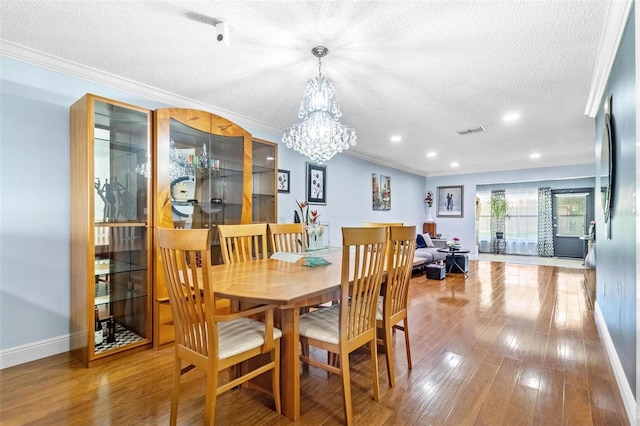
[(465, 228), (616, 257), (34, 197)]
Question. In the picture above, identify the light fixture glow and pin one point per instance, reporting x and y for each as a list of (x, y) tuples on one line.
[(320, 135), (455, 164), (396, 138), (534, 156), (512, 116), (431, 154)]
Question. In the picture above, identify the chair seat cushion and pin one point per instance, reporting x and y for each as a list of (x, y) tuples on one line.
[(240, 335), (322, 324)]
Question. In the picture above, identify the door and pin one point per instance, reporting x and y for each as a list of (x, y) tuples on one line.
[(572, 212)]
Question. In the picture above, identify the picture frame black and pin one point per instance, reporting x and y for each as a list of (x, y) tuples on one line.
[(284, 181), (316, 187), (450, 201)]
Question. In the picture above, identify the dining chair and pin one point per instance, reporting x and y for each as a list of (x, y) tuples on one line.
[(392, 303), (205, 339), (242, 243), (287, 237), (350, 324)]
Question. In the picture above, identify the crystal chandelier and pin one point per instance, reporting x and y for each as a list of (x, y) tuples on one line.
[(320, 136)]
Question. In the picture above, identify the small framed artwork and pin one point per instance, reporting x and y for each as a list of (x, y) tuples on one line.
[(283, 181), (316, 184), (381, 190), (450, 201)]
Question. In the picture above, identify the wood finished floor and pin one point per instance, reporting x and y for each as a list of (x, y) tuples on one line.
[(510, 345)]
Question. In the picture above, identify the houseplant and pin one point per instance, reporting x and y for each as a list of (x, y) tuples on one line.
[(499, 211)]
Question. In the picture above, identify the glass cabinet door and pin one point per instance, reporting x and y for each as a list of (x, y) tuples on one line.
[(264, 182), (121, 180), (206, 174)]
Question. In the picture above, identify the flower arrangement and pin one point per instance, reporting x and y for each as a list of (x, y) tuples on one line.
[(313, 228), (309, 218), (454, 243), (429, 198)]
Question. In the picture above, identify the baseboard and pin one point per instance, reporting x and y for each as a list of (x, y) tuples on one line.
[(33, 351), (623, 385)]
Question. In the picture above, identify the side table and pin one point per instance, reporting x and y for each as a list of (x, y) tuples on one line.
[(451, 260)]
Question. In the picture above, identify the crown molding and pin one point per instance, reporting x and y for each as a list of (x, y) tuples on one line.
[(57, 64), (614, 26)]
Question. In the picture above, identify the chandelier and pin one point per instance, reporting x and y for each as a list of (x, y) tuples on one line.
[(320, 135)]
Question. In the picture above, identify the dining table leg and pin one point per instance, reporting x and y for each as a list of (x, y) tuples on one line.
[(290, 363)]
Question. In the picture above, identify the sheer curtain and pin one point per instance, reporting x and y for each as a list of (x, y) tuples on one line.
[(520, 227), (545, 227)]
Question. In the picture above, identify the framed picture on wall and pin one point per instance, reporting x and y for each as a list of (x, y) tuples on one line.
[(381, 190), (316, 184), (283, 181), (450, 201)]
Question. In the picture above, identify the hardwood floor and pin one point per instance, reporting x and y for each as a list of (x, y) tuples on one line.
[(510, 345)]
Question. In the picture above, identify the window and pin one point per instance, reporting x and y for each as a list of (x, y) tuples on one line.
[(521, 224)]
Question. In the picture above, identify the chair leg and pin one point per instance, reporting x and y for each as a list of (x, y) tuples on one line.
[(346, 385), (406, 342), (175, 393), (374, 369), (275, 376), (211, 396), (389, 355)]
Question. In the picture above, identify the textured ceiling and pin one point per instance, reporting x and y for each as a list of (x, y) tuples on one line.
[(418, 69)]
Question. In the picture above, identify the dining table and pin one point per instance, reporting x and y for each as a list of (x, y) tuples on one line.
[(290, 281), (287, 283)]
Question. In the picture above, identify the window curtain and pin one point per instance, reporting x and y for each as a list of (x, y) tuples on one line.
[(497, 225), (545, 223)]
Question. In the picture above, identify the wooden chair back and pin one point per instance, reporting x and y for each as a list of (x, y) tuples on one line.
[(362, 264), (180, 250), (402, 241), (243, 243), (288, 237)]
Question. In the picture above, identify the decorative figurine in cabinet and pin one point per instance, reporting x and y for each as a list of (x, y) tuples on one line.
[(110, 228)]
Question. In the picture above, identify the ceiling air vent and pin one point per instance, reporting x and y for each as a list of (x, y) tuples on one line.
[(467, 131)]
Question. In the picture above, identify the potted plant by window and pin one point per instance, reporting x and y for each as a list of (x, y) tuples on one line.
[(499, 210)]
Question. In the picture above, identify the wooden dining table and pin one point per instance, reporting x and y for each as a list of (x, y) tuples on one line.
[(290, 286)]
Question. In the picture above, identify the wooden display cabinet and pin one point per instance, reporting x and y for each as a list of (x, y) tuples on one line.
[(209, 172), (110, 226), (429, 228)]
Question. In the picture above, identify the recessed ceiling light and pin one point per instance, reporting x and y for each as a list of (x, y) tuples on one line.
[(396, 138), (512, 116), (535, 155), (455, 164), (431, 154)]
